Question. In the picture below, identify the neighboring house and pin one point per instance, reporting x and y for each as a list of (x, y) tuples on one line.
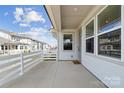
[(93, 34), (46, 47), (12, 43)]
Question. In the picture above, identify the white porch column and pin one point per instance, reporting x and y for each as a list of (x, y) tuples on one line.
[(8, 48), (11, 49), (22, 63), (83, 43), (18, 47), (4, 49), (39, 47), (59, 45), (0, 47), (95, 36)]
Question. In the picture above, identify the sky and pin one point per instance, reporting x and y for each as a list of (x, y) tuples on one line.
[(28, 19)]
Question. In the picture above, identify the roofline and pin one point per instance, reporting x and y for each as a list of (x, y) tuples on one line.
[(18, 35), (48, 16)]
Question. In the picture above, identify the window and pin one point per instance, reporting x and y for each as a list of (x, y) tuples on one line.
[(67, 42), (109, 18), (90, 45), (25, 47), (90, 37), (90, 29), (109, 28), (2, 47), (21, 47), (5, 47), (110, 44), (16, 47), (12, 46)]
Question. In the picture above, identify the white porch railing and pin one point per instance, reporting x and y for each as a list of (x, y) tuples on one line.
[(11, 52), (49, 55), (12, 66)]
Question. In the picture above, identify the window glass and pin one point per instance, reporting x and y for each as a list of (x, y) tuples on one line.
[(25, 47), (5, 47), (16, 47), (109, 18), (109, 44), (2, 47), (90, 29), (21, 47), (90, 45), (67, 42)]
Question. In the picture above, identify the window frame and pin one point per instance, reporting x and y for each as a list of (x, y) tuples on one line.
[(93, 36), (107, 58), (93, 28), (99, 33), (107, 31)]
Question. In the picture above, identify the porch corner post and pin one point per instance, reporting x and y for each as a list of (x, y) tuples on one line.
[(58, 47), (22, 63)]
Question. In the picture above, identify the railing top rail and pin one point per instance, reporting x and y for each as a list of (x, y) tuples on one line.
[(11, 58)]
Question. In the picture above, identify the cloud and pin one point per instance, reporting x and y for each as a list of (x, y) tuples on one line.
[(6, 13), (40, 29), (46, 26), (33, 16), (25, 16), (28, 9), (24, 25), (18, 14), (41, 34)]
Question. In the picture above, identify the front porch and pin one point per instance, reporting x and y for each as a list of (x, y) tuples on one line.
[(62, 74)]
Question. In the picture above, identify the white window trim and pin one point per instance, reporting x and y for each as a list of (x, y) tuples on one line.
[(89, 37), (110, 30)]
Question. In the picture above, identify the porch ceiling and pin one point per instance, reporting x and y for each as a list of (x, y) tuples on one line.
[(73, 15)]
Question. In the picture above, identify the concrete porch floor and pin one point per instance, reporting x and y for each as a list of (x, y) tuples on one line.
[(62, 74)]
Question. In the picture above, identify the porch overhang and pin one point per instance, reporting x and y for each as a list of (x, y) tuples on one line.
[(54, 15), (71, 17)]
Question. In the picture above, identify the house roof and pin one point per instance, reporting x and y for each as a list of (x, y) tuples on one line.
[(4, 40), (18, 35)]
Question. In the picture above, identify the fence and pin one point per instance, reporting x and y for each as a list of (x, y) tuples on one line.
[(13, 66)]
